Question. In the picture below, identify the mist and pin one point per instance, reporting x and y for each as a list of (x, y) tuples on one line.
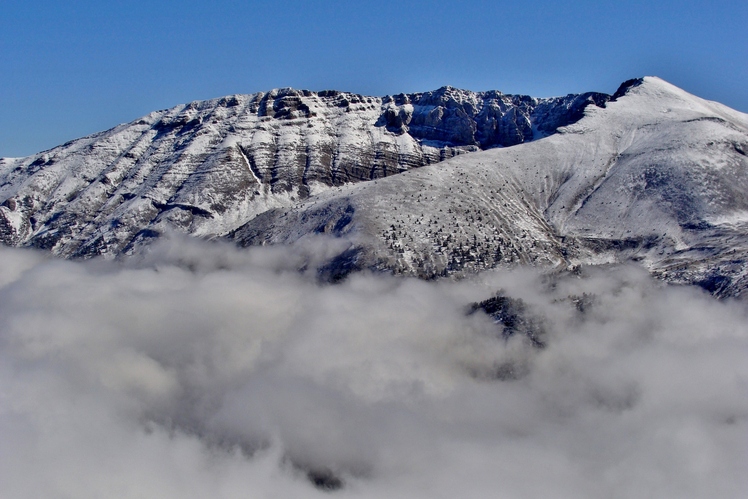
[(207, 371)]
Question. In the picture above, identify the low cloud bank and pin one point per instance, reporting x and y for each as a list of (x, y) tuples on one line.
[(207, 371)]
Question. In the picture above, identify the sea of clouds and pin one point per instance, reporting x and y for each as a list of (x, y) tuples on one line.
[(206, 371)]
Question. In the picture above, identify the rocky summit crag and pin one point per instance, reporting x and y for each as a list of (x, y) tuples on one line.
[(649, 174)]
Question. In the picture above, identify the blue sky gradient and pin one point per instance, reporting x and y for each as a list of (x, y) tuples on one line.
[(73, 68)]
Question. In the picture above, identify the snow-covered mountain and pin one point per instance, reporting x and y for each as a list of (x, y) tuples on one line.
[(656, 176), (206, 168), (650, 174)]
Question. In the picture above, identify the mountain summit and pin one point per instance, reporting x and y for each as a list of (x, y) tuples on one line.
[(650, 174)]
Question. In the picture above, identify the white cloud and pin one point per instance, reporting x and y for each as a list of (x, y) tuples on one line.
[(211, 372)]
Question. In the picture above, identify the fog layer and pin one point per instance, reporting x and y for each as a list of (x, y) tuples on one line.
[(211, 372)]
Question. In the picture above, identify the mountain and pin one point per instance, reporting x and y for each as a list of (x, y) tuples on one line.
[(657, 176), (649, 174), (205, 168)]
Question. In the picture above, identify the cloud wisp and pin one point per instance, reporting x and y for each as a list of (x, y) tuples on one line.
[(212, 372)]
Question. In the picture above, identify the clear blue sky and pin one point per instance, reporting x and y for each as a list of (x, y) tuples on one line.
[(70, 68)]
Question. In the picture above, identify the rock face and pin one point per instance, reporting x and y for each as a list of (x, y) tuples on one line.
[(485, 119), (208, 167)]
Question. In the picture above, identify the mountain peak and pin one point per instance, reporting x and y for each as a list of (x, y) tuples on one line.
[(625, 87)]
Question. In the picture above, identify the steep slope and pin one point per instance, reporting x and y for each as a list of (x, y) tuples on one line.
[(208, 167), (657, 176)]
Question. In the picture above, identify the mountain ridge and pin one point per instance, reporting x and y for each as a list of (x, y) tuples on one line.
[(446, 182), (208, 166)]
